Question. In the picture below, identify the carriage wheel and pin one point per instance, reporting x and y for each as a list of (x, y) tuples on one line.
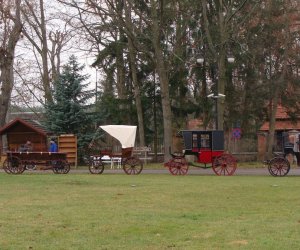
[(57, 167), (224, 164), (66, 166), (96, 167), (178, 166), (132, 165), (12, 165), (279, 166), (60, 167), (6, 166)]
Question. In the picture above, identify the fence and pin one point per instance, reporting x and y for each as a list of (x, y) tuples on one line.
[(142, 153)]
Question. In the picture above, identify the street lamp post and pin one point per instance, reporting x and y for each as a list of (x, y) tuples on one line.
[(216, 95)]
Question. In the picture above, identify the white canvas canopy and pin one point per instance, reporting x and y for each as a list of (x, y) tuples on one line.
[(123, 133)]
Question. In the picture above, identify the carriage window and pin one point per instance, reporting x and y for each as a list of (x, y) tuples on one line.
[(205, 141), (195, 141)]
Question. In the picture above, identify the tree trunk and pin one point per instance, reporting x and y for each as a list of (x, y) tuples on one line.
[(221, 67), (166, 105), (41, 46), (136, 85), (279, 85), (120, 64), (221, 90), (137, 94), (272, 122), (45, 76), (164, 82), (6, 64), (7, 79)]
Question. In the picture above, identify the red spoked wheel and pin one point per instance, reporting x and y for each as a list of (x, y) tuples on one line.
[(177, 166), (279, 166), (224, 164), (132, 165)]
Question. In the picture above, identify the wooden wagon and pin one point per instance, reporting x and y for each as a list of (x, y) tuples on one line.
[(18, 162)]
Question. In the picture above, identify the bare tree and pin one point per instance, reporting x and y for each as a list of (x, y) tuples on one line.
[(11, 28), (136, 85), (277, 63), (220, 26), (59, 40), (156, 10), (103, 25), (34, 16), (135, 21), (46, 40)]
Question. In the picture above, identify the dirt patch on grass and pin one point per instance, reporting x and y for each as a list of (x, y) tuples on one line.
[(239, 242)]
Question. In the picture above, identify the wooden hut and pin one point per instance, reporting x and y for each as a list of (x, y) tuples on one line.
[(19, 131)]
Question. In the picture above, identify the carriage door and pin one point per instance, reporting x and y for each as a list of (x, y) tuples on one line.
[(205, 155)]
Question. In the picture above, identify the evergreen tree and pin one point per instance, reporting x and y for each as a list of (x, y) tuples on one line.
[(68, 114)]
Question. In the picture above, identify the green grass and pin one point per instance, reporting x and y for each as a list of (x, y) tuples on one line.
[(161, 165), (84, 211)]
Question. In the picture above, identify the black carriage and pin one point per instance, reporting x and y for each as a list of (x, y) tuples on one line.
[(208, 148), (279, 165)]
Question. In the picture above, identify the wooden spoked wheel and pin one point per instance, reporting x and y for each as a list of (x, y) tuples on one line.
[(6, 166), (178, 166), (66, 167), (60, 167), (224, 164), (96, 166), (132, 165), (279, 166), (12, 165)]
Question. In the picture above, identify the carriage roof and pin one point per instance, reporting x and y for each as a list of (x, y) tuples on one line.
[(125, 134)]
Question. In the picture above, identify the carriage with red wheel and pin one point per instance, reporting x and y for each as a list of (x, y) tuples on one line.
[(125, 135), (208, 149)]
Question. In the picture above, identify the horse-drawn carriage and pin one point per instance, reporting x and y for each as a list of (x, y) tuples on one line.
[(208, 148), (18, 162), (126, 136), (279, 165)]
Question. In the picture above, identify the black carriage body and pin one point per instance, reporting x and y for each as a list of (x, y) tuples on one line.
[(206, 145)]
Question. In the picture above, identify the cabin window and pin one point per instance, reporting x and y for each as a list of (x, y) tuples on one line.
[(205, 141), (195, 141)]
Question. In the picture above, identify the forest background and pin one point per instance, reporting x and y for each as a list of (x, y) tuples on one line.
[(146, 55)]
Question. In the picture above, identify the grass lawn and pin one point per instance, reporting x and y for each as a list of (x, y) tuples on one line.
[(84, 211), (161, 165)]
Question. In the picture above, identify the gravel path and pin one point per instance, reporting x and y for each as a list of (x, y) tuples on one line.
[(192, 171)]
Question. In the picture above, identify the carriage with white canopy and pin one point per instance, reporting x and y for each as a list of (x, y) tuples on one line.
[(125, 135)]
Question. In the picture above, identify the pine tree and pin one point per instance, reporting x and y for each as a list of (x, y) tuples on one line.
[(68, 114)]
